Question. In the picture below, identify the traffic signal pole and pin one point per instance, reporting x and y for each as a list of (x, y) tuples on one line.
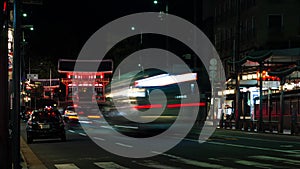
[(4, 106)]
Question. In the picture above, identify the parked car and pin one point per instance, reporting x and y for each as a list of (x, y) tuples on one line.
[(45, 123)]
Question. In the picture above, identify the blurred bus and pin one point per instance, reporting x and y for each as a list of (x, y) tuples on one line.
[(153, 98)]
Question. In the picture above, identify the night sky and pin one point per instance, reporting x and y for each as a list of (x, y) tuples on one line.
[(63, 26)]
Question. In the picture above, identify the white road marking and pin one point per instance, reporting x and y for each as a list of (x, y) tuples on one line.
[(127, 127), (257, 139), (293, 155), (110, 165), (252, 147), (192, 162), (154, 164), (107, 127), (72, 131), (245, 146), (84, 122), (82, 134), (287, 146), (177, 134), (98, 138), (124, 145), (277, 159), (66, 166), (253, 163)]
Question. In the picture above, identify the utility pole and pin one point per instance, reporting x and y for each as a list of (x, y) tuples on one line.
[(51, 94), (237, 105), (16, 88), (260, 121), (4, 106)]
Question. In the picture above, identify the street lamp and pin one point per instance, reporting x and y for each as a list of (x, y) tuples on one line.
[(156, 2)]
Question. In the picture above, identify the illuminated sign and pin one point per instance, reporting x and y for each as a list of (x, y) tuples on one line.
[(265, 76), (10, 49)]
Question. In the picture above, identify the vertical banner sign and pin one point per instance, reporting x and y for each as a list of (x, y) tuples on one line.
[(10, 52)]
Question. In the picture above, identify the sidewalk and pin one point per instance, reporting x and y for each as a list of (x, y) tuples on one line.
[(28, 159)]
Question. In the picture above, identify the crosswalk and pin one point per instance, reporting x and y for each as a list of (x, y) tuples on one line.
[(287, 157), (175, 162)]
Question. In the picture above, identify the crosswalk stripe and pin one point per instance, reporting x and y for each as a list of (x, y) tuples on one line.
[(66, 166), (199, 164), (110, 165), (252, 163), (293, 155), (154, 164), (277, 159)]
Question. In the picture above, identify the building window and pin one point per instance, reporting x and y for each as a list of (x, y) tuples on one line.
[(275, 23)]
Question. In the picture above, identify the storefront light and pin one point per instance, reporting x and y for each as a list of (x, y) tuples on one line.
[(244, 77), (289, 86)]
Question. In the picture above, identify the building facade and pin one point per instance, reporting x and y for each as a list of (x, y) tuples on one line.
[(244, 26)]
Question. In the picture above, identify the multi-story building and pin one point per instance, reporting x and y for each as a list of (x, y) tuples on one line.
[(243, 26), (246, 27)]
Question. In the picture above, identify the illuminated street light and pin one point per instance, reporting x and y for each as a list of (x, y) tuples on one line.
[(155, 2)]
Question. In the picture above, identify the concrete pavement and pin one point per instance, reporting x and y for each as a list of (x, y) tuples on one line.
[(28, 159)]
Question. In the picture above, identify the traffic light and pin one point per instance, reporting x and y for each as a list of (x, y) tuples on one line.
[(4, 13)]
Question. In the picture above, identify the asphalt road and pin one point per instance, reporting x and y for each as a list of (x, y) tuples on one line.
[(224, 149)]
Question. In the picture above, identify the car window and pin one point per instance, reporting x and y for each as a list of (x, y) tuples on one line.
[(70, 108), (49, 116)]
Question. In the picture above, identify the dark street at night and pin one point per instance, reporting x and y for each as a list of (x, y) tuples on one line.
[(154, 84)]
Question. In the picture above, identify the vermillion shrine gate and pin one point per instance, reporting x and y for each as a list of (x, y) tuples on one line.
[(85, 85)]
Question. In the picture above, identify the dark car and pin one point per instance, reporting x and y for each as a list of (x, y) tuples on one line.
[(45, 123)]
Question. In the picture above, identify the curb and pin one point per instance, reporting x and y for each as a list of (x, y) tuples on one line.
[(30, 160), (23, 162)]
